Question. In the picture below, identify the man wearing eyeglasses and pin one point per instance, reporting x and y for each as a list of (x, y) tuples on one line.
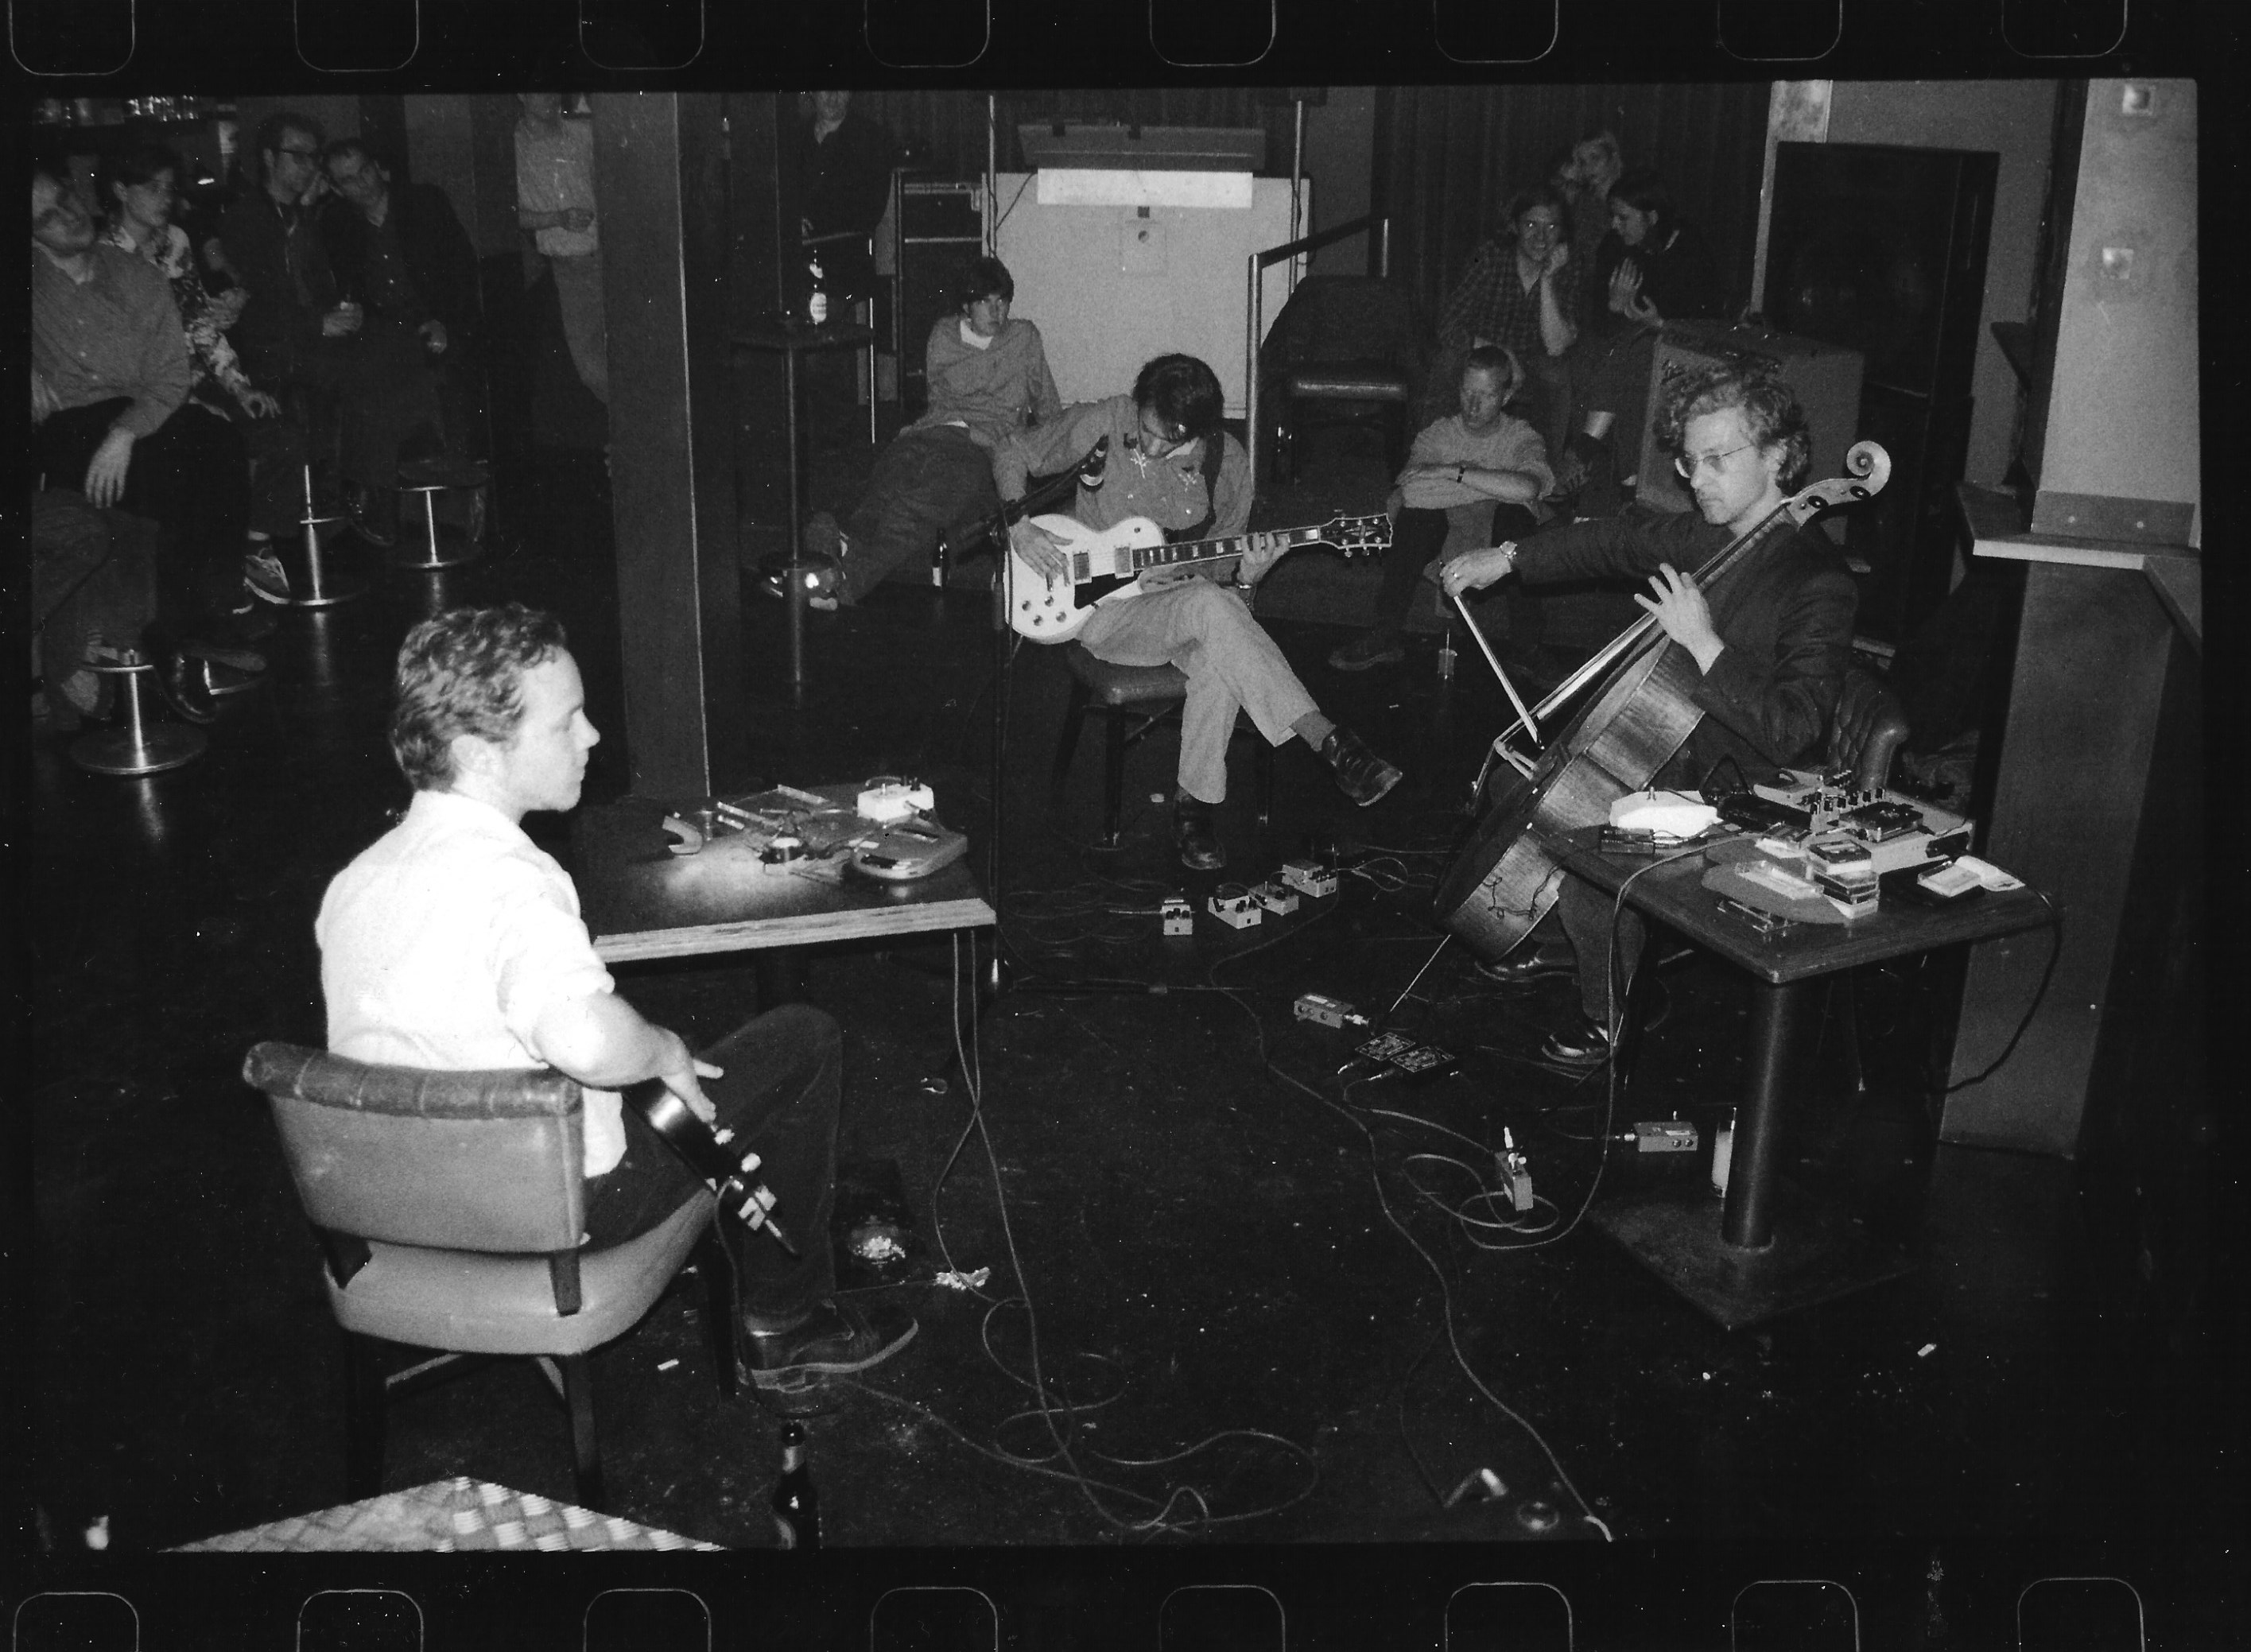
[(1169, 461), (300, 331), (1770, 643)]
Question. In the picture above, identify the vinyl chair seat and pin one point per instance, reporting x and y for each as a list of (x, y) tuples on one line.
[(466, 1302), (1111, 684)]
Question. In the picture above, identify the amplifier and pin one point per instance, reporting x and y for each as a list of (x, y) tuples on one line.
[(940, 229), (1826, 378)]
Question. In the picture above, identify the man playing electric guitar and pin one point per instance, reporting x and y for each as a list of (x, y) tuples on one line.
[(1164, 438)]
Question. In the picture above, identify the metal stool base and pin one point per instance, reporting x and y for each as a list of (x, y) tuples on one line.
[(139, 747), (322, 587), (441, 547)]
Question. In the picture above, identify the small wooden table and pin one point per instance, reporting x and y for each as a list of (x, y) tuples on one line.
[(641, 900), (1753, 1258)]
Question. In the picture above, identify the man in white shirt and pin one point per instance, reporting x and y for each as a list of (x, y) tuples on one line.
[(453, 942)]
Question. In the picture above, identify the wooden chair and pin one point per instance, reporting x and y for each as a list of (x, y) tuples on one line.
[(449, 1207), (1131, 701)]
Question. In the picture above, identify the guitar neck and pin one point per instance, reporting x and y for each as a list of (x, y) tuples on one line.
[(1199, 551)]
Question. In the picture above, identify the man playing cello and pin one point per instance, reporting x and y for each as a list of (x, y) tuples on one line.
[(1770, 643)]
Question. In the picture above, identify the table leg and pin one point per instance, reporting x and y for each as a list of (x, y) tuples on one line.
[(1777, 1017), (780, 976), (796, 530)]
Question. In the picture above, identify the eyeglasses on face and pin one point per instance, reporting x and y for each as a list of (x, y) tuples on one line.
[(1688, 465)]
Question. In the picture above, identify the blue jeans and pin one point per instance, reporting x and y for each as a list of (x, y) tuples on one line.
[(924, 484), (779, 1096)]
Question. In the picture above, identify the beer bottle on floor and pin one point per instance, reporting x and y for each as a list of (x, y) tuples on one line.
[(796, 1505)]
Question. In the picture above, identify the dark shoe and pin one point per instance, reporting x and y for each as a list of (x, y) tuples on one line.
[(1529, 964), (1582, 1041), (263, 575), (236, 660), (822, 539), (787, 1367), (1584, 458), (376, 518), (1192, 831), (1362, 774), (1376, 648)]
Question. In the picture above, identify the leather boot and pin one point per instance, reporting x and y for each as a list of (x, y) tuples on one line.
[(1197, 838)]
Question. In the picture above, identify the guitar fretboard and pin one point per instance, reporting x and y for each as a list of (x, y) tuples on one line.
[(1199, 551)]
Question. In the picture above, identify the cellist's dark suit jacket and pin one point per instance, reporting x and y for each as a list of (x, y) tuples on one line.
[(1785, 616)]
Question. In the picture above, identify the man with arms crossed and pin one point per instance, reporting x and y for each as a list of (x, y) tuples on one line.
[(453, 942)]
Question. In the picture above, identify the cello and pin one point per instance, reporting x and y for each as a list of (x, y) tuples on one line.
[(1505, 879)]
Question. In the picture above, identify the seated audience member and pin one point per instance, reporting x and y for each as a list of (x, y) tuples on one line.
[(1518, 293), (1480, 471), (400, 251), (1652, 268), (110, 376), (94, 589), (453, 943), (1770, 643), (1170, 461), (555, 202), (301, 336), (988, 378), (140, 187), (1594, 166)]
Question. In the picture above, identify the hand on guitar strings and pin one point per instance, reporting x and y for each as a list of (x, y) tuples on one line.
[(1040, 551), (1266, 550), (1681, 612)]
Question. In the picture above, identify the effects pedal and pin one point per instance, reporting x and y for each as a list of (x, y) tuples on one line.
[(1232, 905), (1324, 1010), (1665, 1135), (1179, 917), (1310, 877), (1515, 1173), (1278, 898)]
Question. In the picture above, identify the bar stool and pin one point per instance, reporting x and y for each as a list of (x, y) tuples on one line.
[(139, 747), (443, 546), (323, 587), (1131, 701)]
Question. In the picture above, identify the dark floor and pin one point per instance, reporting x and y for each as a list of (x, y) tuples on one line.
[(1228, 1303)]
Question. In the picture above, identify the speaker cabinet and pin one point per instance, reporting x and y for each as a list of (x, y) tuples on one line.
[(940, 232), (1824, 378), (1882, 250)]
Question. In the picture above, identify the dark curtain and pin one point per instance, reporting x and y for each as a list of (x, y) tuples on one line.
[(1447, 159), (946, 129)]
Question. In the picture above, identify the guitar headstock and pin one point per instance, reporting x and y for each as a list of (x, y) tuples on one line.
[(1356, 536), (1871, 468)]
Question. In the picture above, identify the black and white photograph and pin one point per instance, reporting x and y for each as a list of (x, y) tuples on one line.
[(1076, 852)]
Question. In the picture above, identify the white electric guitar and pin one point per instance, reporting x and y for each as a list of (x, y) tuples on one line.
[(1106, 564)]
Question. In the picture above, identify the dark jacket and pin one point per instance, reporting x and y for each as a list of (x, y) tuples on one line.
[(441, 265), (1785, 616), (281, 328), (848, 183), (1677, 275)]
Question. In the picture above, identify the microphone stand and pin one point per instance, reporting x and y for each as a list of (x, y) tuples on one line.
[(994, 978)]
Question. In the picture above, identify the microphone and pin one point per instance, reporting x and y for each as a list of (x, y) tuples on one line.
[(1094, 469)]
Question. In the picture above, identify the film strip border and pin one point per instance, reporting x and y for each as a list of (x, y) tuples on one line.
[(460, 43), (1456, 1597)]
